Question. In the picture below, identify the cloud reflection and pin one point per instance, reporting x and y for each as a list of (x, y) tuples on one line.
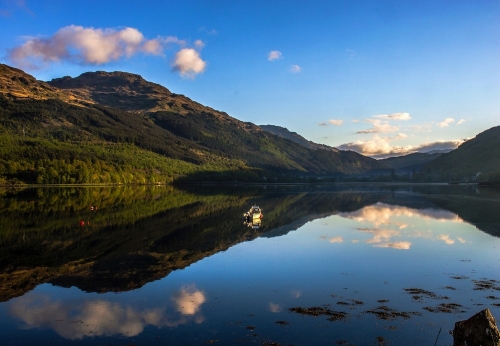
[(446, 239), (381, 214), (401, 245), (104, 318), (275, 307), (386, 222), (379, 235), (189, 300)]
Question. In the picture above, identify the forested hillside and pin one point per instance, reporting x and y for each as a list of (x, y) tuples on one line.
[(118, 128), (478, 155), (410, 163)]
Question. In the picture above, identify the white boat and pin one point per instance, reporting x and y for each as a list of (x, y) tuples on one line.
[(253, 217)]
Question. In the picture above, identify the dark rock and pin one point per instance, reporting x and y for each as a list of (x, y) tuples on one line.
[(480, 329)]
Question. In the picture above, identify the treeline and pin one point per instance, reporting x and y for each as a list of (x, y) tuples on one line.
[(45, 162), (73, 171), (51, 142), (39, 161)]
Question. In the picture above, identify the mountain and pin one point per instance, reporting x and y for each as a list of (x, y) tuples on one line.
[(409, 163), (295, 137), (130, 92), (439, 151), (15, 84), (116, 127), (480, 154)]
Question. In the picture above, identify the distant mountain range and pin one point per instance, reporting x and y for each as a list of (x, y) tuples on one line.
[(410, 163), (116, 127)]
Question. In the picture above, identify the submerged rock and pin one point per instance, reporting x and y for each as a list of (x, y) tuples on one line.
[(480, 329)]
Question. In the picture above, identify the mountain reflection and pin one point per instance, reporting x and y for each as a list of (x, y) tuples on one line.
[(141, 234), (103, 318)]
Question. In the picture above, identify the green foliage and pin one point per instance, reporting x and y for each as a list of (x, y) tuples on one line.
[(98, 144), (492, 177), (480, 154), (52, 162)]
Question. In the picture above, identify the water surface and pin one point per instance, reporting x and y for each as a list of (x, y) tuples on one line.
[(338, 265)]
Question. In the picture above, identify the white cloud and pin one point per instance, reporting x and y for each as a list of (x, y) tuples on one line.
[(446, 122), (461, 121), (172, 39), (189, 63), (153, 47), (381, 123), (295, 69), (199, 44), (336, 122), (355, 120), (379, 126), (87, 46), (377, 147), (438, 145), (14, 6), (208, 31), (394, 116), (274, 55), (421, 128), (381, 147)]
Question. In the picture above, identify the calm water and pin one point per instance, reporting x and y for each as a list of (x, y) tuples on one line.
[(157, 265)]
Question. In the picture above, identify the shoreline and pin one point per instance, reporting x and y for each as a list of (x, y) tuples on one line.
[(238, 183)]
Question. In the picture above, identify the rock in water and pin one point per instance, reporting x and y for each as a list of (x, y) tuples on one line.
[(480, 329)]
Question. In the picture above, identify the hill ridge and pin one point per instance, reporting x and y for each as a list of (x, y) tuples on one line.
[(82, 113), (480, 154)]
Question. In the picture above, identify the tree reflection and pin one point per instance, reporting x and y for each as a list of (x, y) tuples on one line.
[(141, 234)]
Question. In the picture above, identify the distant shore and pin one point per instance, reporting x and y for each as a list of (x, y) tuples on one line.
[(241, 183)]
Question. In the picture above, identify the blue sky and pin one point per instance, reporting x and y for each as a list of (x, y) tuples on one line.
[(381, 77)]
